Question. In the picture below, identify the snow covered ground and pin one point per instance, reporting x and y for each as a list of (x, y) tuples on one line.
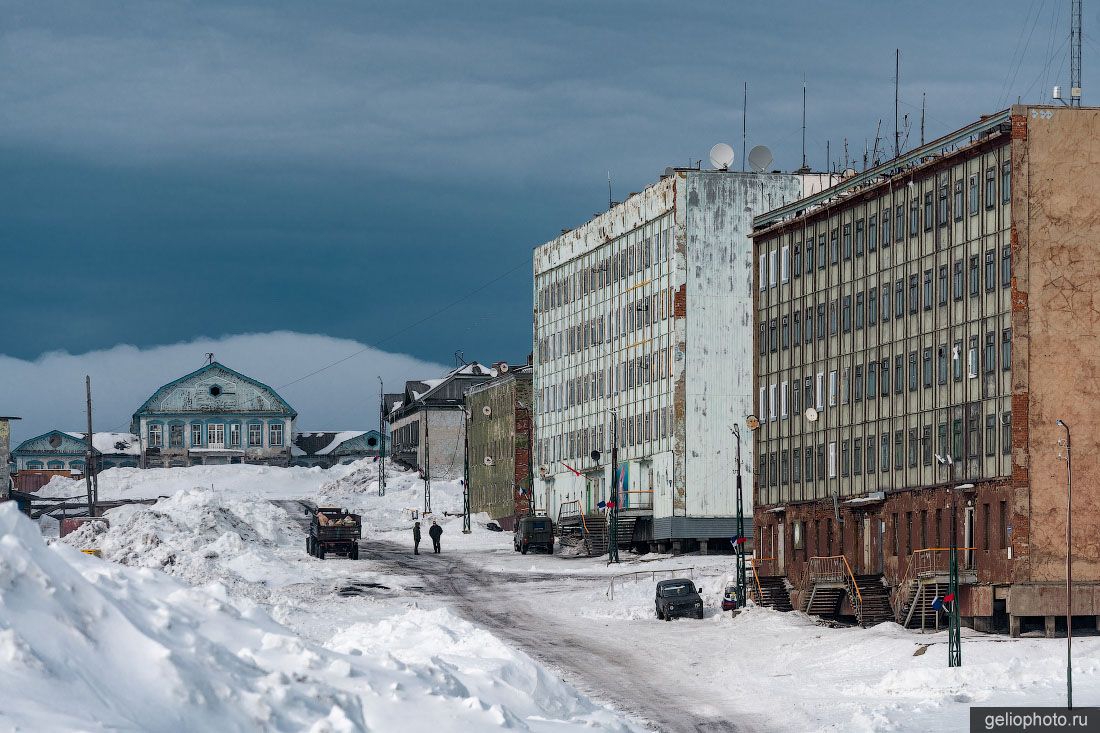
[(361, 645)]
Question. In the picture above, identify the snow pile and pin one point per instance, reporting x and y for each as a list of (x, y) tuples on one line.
[(358, 490), (133, 649)]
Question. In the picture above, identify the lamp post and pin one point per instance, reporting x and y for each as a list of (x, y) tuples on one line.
[(742, 590), (466, 474), (382, 437), (1069, 569), (613, 511), (954, 626)]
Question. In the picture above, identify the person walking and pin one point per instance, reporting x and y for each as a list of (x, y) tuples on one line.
[(416, 538), (435, 531)]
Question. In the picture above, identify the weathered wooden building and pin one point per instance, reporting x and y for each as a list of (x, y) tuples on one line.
[(428, 422), (328, 448), (940, 306), (59, 453), (498, 431), (214, 415), (643, 335)]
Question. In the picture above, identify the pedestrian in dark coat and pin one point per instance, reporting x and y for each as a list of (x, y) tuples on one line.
[(435, 531), (416, 538)]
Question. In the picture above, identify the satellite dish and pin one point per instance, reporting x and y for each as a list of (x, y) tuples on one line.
[(811, 414), (753, 422), (721, 155), (486, 411), (669, 171), (596, 456), (850, 173), (760, 158), (503, 368), (488, 460)]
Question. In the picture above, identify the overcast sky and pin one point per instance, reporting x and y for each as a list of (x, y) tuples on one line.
[(381, 171)]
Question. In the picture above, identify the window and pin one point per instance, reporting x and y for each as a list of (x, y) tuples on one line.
[(821, 252), (989, 360), (809, 325), (1006, 349), (275, 434), (256, 435), (846, 314), (832, 388), (809, 255), (832, 459), (857, 456), (796, 465), (846, 386), (820, 390), (845, 459), (943, 214), (1006, 433), (990, 187), (990, 435), (972, 357), (785, 264), (926, 368), (884, 453), (763, 340), (1004, 524), (872, 380), (784, 468), (912, 371), (859, 238), (797, 338), (175, 436), (774, 474), (771, 401), (941, 364), (773, 335), (832, 318), (899, 373), (809, 464), (990, 270), (196, 434), (957, 281), (911, 448), (899, 450), (914, 217), (235, 435), (786, 332), (956, 438), (859, 311), (941, 439), (871, 454), (797, 267), (872, 233), (886, 227), (886, 304), (858, 384), (833, 247), (926, 446), (783, 400), (943, 285), (821, 460), (928, 220), (847, 241), (796, 397), (899, 298), (872, 307), (820, 321), (958, 200), (926, 296), (763, 402), (973, 431), (975, 285), (884, 377), (973, 195), (156, 437), (914, 299), (1006, 267), (956, 361), (1006, 182), (764, 272)]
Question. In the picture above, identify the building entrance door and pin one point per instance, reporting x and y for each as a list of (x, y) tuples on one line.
[(867, 557), (215, 435), (779, 552), (968, 538)]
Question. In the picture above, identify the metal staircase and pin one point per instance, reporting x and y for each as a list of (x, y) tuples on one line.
[(769, 591), (586, 533), (826, 581), (926, 577)]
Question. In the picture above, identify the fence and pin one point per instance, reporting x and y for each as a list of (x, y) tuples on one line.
[(636, 576)]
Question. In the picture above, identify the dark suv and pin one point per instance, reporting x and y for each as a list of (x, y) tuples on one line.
[(678, 597), (534, 532)]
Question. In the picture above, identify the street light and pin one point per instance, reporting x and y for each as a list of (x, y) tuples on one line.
[(1069, 569), (741, 584), (954, 629)]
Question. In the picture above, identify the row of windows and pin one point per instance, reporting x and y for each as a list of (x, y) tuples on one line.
[(886, 451), (214, 435), (593, 332), (407, 437), (874, 378), (633, 430), (633, 258), (55, 465), (843, 243), (870, 307), (645, 369)]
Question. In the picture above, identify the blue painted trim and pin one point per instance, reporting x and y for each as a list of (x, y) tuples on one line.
[(255, 382), (63, 434)]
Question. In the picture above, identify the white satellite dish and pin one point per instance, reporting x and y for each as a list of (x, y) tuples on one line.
[(760, 158), (721, 156), (851, 173), (486, 411), (811, 414), (489, 460)]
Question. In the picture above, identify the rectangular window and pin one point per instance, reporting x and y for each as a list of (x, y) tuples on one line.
[(797, 336), (859, 238), (911, 448), (926, 446), (196, 435), (175, 436), (275, 434), (958, 200), (821, 252), (809, 325), (1006, 182), (847, 241), (926, 295), (846, 314), (941, 438), (784, 468), (956, 361), (1006, 267), (773, 335), (943, 205), (764, 272), (928, 220), (943, 285), (912, 371), (871, 454), (785, 264), (974, 202), (1006, 433), (899, 373), (832, 318), (899, 298), (884, 377), (886, 227), (786, 332), (941, 364), (235, 435), (821, 461), (820, 390), (956, 438), (990, 270), (771, 401), (857, 456), (899, 454), (990, 435), (156, 436), (872, 380), (872, 233), (972, 358), (859, 311), (796, 397), (926, 368), (884, 453), (990, 358), (763, 340), (990, 187), (820, 321), (872, 307), (797, 266), (858, 384), (845, 459), (914, 217), (809, 255), (783, 400), (887, 302), (832, 459), (1006, 349), (796, 465), (834, 247), (832, 388), (975, 284), (809, 458), (255, 435), (957, 280), (914, 299), (1004, 525)]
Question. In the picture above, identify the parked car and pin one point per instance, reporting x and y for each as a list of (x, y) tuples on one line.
[(533, 532), (334, 531), (729, 597), (678, 597)]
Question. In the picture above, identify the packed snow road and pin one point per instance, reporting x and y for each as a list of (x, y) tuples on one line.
[(605, 665)]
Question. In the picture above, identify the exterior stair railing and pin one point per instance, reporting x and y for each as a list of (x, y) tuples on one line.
[(833, 569), (930, 561), (756, 575)]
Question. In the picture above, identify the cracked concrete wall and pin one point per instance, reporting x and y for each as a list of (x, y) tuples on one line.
[(1056, 334)]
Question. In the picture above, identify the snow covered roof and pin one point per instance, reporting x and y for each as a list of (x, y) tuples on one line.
[(126, 444), (322, 442)]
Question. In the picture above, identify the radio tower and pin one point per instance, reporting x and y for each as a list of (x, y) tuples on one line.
[(1075, 55)]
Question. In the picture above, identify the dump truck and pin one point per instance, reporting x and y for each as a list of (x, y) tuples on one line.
[(334, 531)]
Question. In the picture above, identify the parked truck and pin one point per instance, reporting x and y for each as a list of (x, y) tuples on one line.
[(333, 530)]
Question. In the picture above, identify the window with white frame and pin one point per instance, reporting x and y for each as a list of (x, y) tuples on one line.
[(773, 267), (771, 401), (783, 400), (763, 272), (196, 435), (763, 398), (275, 434), (255, 435), (785, 264), (820, 399), (832, 459), (832, 388), (235, 435), (156, 437)]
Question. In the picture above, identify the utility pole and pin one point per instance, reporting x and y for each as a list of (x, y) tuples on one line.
[(954, 628), (427, 465), (613, 508), (89, 455), (804, 168), (382, 437), (466, 474), (1069, 553), (744, 125), (742, 589)]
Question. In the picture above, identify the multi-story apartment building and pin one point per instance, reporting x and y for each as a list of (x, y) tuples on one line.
[(642, 334), (940, 305)]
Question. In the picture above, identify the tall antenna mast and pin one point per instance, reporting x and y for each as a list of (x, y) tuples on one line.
[(805, 168), (744, 125), (897, 78), (610, 203), (922, 119), (1075, 55)]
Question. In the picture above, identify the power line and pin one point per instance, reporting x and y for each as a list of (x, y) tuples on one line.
[(409, 326)]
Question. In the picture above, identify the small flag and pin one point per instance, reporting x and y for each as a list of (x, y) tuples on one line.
[(949, 597), (737, 540), (937, 603), (602, 504)]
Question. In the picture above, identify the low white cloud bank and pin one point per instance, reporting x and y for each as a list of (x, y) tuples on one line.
[(48, 392)]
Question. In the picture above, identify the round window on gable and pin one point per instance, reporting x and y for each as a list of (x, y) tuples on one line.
[(55, 441), (215, 390)]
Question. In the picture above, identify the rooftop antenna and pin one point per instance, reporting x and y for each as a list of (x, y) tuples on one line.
[(610, 203), (828, 156), (922, 95), (744, 126), (1075, 54), (897, 78), (460, 359), (209, 357), (845, 153), (805, 168), (874, 152)]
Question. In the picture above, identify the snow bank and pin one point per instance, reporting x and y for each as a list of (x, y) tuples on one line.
[(133, 649)]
